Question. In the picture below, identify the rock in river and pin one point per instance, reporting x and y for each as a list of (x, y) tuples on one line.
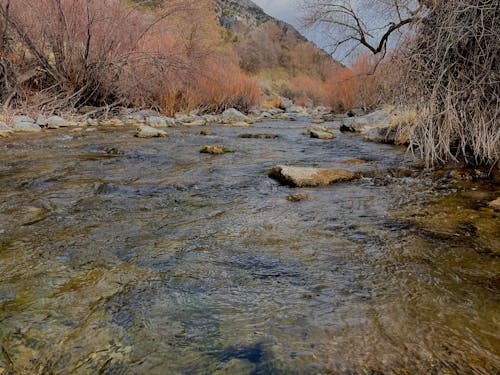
[(309, 177), (495, 204), (145, 131), (299, 197), (321, 134), (215, 150), (259, 136)]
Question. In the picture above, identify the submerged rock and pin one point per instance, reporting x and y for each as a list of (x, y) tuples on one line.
[(495, 204), (259, 136), (309, 177), (318, 121), (299, 197), (319, 134), (215, 150), (145, 131)]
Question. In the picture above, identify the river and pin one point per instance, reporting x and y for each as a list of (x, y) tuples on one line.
[(121, 255)]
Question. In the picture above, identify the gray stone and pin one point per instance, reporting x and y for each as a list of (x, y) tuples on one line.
[(54, 122), (41, 121), (232, 115), (22, 119), (145, 131), (322, 134), (160, 121)]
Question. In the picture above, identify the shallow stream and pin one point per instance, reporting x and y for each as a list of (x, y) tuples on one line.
[(121, 255)]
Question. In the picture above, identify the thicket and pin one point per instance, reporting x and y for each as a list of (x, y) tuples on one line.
[(59, 54), (453, 82)]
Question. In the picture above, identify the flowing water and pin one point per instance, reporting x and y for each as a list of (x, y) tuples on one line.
[(142, 256)]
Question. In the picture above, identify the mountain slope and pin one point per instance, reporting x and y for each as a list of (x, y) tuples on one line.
[(281, 58), (237, 13)]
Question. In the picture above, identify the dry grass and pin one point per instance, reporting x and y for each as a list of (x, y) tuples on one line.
[(454, 83)]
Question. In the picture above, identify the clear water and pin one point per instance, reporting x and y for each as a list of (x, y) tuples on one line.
[(129, 256)]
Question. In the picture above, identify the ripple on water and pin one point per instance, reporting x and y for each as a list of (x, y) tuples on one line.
[(144, 256)]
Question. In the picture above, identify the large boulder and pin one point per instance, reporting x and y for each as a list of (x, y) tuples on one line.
[(309, 177), (231, 115), (145, 131), (377, 119)]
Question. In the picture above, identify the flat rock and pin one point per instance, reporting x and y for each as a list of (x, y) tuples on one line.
[(55, 122), (309, 177), (26, 127), (22, 119), (322, 134), (145, 131), (199, 122), (215, 150), (495, 204), (112, 122)]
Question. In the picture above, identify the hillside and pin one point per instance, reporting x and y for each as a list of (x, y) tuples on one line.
[(273, 50)]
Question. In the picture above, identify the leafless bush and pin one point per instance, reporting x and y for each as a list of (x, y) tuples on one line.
[(453, 81)]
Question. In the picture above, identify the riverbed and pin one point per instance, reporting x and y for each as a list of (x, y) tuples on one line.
[(121, 255)]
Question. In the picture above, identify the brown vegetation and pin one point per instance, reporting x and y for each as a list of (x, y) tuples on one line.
[(454, 83), (68, 53)]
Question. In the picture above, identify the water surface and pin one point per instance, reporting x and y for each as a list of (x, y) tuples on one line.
[(130, 256)]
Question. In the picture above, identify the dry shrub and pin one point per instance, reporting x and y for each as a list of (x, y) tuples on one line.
[(218, 88), (367, 83), (101, 52), (273, 102), (453, 82)]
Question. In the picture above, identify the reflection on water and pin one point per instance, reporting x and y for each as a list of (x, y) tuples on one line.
[(128, 256)]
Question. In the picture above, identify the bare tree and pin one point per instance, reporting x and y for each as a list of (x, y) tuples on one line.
[(349, 24)]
